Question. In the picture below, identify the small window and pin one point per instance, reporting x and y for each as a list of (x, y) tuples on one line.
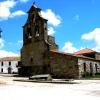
[(37, 34), (2, 70), (9, 63), (45, 25), (91, 69), (96, 67), (37, 31), (31, 60), (2, 63), (84, 65)]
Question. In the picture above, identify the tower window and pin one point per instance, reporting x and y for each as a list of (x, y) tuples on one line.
[(29, 32), (33, 19), (37, 34), (37, 31), (31, 60), (45, 25)]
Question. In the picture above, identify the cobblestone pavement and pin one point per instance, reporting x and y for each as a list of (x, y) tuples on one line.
[(83, 90)]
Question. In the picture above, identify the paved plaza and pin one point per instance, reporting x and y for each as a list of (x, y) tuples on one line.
[(14, 90)]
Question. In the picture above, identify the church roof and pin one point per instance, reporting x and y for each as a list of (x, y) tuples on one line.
[(84, 51), (75, 55), (10, 59)]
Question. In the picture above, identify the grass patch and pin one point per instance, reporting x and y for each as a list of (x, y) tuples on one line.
[(96, 77)]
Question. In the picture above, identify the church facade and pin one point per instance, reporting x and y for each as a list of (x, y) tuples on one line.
[(40, 54)]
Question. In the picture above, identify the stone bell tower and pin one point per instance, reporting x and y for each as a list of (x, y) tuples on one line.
[(34, 53)]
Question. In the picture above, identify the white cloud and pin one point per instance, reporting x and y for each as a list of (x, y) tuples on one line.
[(4, 53), (8, 3), (93, 36), (51, 31), (69, 48), (52, 18), (5, 9), (5, 12), (1, 43), (17, 13)]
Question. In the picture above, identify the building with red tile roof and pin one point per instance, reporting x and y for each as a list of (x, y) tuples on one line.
[(84, 51), (9, 65)]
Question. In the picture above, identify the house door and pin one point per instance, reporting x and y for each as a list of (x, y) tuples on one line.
[(9, 70)]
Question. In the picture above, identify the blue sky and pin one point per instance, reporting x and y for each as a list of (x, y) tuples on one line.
[(75, 24)]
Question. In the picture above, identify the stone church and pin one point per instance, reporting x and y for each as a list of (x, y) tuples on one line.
[(40, 54)]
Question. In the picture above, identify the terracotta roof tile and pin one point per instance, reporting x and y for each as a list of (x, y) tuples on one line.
[(84, 51), (10, 59), (75, 55), (64, 53)]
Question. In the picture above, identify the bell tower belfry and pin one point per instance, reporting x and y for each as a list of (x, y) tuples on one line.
[(36, 44), (35, 28)]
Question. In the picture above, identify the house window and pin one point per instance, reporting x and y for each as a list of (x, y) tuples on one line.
[(96, 68), (84, 64), (84, 69), (2, 70), (2, 63), (9, 63), (91, 69)]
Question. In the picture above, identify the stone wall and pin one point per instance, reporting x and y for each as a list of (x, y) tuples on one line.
[(63, 66), (88, 67), (52, 44), (97, 56), (33, 57)]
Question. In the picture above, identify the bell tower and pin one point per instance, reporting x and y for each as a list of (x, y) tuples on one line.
[(35, 28), (34, 53)]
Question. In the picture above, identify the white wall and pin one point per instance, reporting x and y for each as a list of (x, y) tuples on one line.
[(6, 65), (87, 62)]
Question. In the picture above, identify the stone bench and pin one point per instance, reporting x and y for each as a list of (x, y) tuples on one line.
[(41, 77)]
